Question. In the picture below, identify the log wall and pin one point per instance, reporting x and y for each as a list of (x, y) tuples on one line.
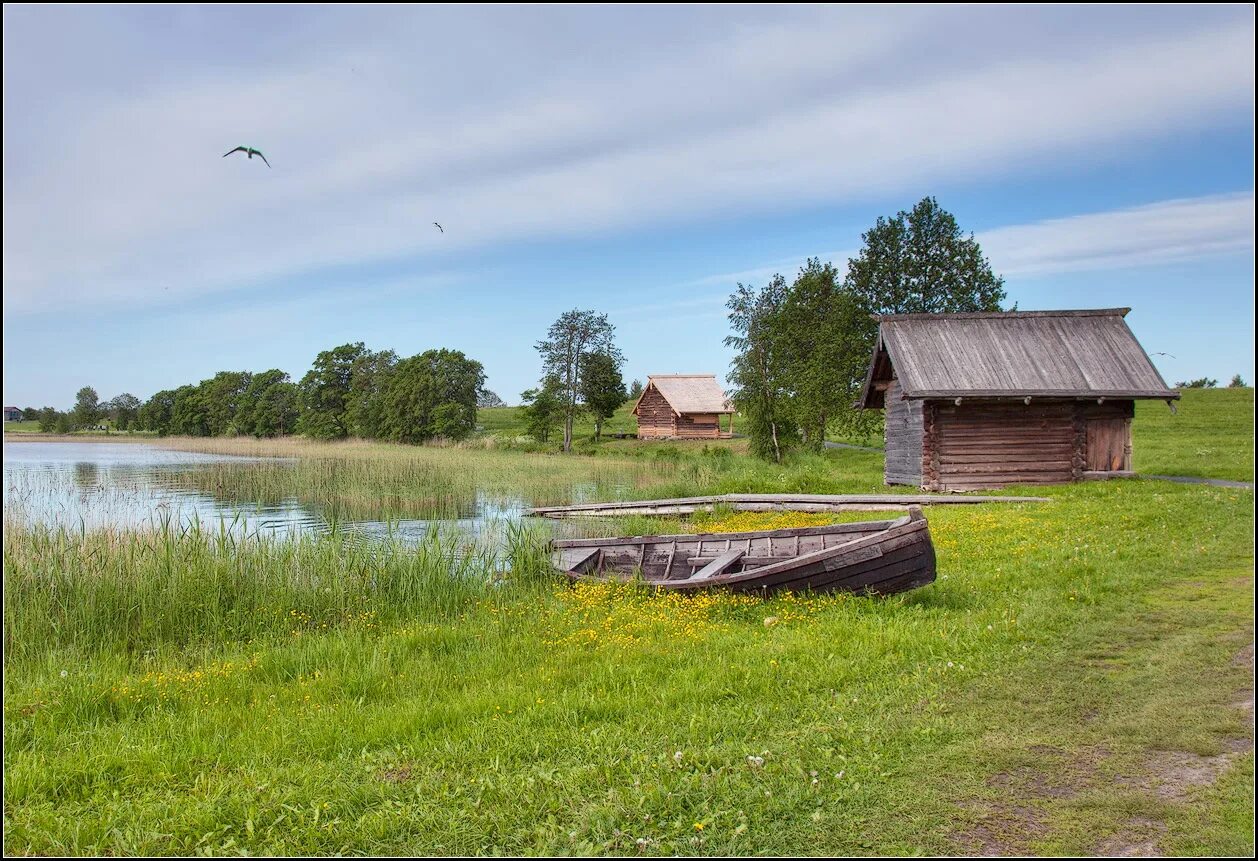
[(903, 438), (991, 444), (698, 426), (655, 416)]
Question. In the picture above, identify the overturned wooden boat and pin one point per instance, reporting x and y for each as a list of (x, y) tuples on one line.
[(877, 556)]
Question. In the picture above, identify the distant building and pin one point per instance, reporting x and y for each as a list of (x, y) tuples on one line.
[(683, 406), (12, 414), (1026, 397)]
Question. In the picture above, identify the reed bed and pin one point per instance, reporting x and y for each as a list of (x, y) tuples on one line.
[(132, 591), (365, 480)]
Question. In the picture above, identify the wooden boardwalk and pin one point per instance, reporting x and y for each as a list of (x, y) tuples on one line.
[(770, 502)]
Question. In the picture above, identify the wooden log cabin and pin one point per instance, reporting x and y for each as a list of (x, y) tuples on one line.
[(682, 406), (984, 400)]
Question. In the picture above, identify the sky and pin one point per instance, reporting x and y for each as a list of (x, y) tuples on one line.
[(636, 161)]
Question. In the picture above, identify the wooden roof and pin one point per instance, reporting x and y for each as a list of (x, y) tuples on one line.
[(1070, 354), (688, 393)]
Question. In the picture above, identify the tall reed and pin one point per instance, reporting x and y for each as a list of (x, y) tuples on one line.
[(134, 591)]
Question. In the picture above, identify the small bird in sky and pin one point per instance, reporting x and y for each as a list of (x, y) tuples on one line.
[(1161, 354), (250, 151), (439, 227)]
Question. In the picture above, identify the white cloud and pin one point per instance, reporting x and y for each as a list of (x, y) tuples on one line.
[(1170, 231), (133, 201)]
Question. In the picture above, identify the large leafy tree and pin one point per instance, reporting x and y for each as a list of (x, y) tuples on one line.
[(222, 399), (157, 412), (47, 417), (123, 410), (188, 415), (369, 379), (820, 330), (920, 262), (87, 408), (569, 343), (326, 390), (432, 395), (271, 405), (602, 389), (760, 372)]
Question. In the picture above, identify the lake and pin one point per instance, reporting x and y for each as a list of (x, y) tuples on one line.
[(93, 485)]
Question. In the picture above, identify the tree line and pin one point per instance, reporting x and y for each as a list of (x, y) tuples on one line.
[(348, 391)]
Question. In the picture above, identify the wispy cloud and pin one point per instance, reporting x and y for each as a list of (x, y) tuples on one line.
[(1170, 231), (126, 200)]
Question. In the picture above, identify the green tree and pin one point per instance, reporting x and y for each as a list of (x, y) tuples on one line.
[(326, 390), (761, 369), (1199, 383), (543, 409), (188, 414), (47, 418), (635, 390), (1236, 383), (432, 395), (369, 379), (270, 405), (602, 389), (571, 339), (124, 410), (87, 409), (157, 412), (820, 329), (221, 399), (920, 262)]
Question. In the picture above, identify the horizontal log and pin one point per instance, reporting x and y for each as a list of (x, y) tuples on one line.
[(787, 502)]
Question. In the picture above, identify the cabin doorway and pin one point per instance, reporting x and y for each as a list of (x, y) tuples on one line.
[(1109, 445)]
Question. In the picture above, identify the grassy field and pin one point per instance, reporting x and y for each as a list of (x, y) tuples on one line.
[(1210, 435), (1079, 679)]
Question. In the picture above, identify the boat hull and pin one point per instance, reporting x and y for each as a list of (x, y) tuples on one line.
[(878, 557)]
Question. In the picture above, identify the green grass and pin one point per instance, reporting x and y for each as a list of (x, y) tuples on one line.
[(1210, 435), (182, 695)]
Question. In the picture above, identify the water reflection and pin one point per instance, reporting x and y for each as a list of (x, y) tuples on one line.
[(134, 485)]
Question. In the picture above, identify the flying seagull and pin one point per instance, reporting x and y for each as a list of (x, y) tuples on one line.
[(439, 227), (1161, 354), (250, 151)]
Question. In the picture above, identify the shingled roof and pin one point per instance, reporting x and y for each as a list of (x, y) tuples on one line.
[(688, 393), (1064, 354)]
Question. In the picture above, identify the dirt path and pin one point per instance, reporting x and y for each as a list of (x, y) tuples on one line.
[(1029, 797), (1213, 482)]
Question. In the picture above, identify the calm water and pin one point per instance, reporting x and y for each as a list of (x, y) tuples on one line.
[(94, 485)]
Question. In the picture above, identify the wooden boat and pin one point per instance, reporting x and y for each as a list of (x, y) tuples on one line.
[(877, 556)]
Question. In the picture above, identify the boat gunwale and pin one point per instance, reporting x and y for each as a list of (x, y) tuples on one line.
[(880, 526)]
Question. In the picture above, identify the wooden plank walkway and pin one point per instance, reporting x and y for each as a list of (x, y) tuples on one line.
[(770, 502)]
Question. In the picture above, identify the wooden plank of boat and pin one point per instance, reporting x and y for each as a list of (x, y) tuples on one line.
[(717, 566), (771, 502), (859, 526)]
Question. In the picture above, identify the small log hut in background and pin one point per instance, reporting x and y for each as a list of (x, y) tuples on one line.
[(682, 406), (985, 400)]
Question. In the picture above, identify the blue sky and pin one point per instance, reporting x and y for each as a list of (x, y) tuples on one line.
[(636, 161)]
